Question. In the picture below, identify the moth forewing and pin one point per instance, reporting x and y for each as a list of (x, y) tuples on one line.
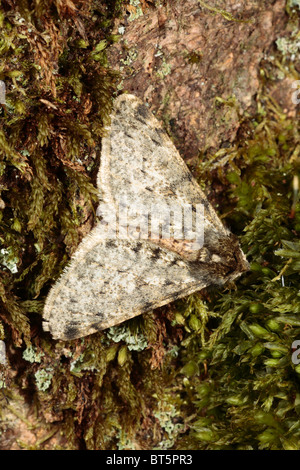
[(109, 281), (143, 253)]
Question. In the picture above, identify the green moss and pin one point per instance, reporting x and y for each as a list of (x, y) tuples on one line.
[(228, 16), (194, 57), (43, 134), (247, 358)]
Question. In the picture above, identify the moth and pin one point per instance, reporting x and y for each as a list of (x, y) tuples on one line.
[(143, 253)]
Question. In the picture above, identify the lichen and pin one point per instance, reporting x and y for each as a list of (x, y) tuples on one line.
[(134, 341), (9, 259), (228, 16), (167, 416), (131, 57), (75, 364), (124, 442), (136, 11), (164, 69), (31, 354), (294, 3), (43, 378), (289, 46)]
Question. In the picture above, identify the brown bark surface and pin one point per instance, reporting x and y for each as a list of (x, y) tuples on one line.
[(180, 57)]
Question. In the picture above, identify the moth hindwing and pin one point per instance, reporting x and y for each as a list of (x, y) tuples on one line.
[(158, 238)]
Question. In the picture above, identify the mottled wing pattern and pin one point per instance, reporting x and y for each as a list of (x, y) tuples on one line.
[(110, 281), (140, 164)]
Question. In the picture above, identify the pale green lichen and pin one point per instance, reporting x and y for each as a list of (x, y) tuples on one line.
[(294, 3), (135, 342), (159, 51), (80, 364), (167, 414), (137, 12), (75, 365), (290, 47), (84, 362), (173, 351), (131, 57), (124, 443), (9, 260), (43, 378), (31, 354), (164, 70)]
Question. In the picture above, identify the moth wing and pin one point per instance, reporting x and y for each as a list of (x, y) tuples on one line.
[(110, 281), (141, 166)]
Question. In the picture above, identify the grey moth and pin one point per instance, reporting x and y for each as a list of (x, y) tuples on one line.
[(158, 238)]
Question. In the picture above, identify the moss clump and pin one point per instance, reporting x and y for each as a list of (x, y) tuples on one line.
[(58, 97)]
